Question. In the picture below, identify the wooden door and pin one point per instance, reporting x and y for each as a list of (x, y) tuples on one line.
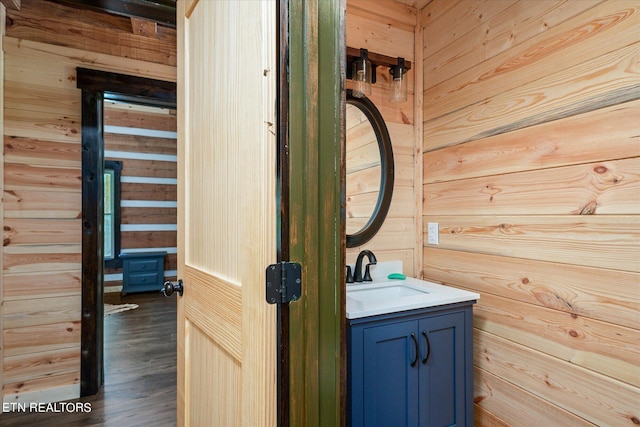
[(226, 212)]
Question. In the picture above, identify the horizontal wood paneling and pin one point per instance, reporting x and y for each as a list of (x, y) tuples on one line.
[(599, 346), (592, 188), (602, 294), (50, 364), (543, 146), (531, 167), (41, 338), (589, 35), (524, 409), (603, 81), (388, 28), (149, 216), (42, 204), (589, 240), (20, 231), (29, 284), (140, 119), (41, 152), (150, 168), (41, 311), (42, 258), (43, 45), (139, 144), (35, 178), (502, 26), (148, 239), (599, 400), (48, 22), (134, 191)]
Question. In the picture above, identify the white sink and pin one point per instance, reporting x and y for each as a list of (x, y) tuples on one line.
[(385, 292), (390, 296)]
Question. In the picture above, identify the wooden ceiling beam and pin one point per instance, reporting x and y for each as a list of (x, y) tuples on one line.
[(161, 11), (11, 4)]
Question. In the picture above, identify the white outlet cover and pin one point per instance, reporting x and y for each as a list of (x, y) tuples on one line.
[(433, 233)]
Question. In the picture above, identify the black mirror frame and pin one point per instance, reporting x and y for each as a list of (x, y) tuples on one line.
[(386, 166)]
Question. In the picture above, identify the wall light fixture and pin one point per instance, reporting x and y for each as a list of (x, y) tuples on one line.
[(361, 69)]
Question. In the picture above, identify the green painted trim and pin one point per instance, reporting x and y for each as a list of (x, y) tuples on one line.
[(316, 228)]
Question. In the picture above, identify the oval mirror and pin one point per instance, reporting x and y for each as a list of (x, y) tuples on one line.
[(369, 164)]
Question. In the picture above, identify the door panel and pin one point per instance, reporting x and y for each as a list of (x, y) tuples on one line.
[(227, 212)]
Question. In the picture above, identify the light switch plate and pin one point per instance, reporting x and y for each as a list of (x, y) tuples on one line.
[(433, 233)]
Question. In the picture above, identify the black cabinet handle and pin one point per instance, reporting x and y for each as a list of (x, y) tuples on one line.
[(415, 343), (426, 338)]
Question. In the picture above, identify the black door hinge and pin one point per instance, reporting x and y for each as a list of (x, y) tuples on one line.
[(284, 282)]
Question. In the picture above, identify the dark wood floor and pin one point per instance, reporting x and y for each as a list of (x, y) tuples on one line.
[(140, 370)]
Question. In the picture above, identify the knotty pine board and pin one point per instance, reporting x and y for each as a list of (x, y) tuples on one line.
[(44, 53), (42, 258), (42, 338), (385, 11), (592, 188), (139, 144), (143, 120), (602, 400), (148, 239), (44, 284), (148, 216), (38, 231), (598, 346), (546, 145), (590, 35), (601, 294), (600, 82), (516, 406), (50, 22), (502, 26), (42, 204), (605, 241), (29, 151)]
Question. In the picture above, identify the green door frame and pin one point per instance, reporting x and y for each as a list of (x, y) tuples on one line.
[(317, 344)]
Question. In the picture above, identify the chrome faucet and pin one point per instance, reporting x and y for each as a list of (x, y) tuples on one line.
[(357, 274)]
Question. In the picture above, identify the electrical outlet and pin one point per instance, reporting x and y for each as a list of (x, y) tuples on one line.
[(433, 233)]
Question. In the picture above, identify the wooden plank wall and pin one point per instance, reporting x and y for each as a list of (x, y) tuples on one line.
[(532, 170), (44, 44), (389, 29), (144, 140)]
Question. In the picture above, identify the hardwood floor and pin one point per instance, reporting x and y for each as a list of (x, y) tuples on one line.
[(140, 370)]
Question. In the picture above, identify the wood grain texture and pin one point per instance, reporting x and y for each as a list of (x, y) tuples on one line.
[(594, 345), (601, 82), (45, 284), (44, 44), (523, 408), (139, 144), (544, 146), (530, 163), (71, 58), (594, 397), (159, 120), (602, 294), (495, 26), (149, 216), (588, 189), (587, 36), (139, 372), (148, 239), (589, 240), (63, 25), (41, 204)]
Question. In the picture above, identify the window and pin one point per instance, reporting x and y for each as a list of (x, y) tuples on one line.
[(112, 213)]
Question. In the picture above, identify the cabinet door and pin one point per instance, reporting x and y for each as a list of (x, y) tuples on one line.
[(391, 386), (442, 370)]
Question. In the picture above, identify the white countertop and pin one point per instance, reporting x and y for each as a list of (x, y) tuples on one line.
[(384, 296)]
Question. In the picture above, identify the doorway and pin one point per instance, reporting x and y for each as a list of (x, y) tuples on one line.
[(98, 87)]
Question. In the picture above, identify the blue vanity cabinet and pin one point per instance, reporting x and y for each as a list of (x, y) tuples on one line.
[(412, 368)]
